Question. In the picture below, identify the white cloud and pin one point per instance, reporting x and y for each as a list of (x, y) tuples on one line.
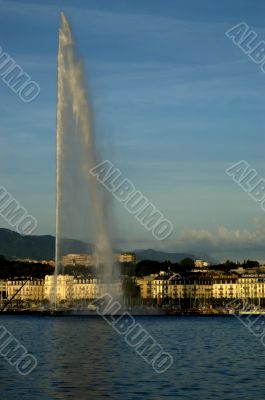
[(224, 239)]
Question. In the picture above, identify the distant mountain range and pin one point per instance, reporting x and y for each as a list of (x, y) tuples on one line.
[(13, 245)]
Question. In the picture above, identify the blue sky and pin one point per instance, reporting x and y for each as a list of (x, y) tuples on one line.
[(175, 103)]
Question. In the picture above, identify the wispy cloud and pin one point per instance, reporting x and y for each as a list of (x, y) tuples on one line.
[(224, 240)]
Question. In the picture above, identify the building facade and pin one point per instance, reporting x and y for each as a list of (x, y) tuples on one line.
[(201, 264), (225, 287), (27, 290), (145, 284), (89, 260), (86, 260), (127, 257), (165, 286)]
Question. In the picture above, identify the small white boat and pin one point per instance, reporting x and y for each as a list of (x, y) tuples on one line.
[(91, 307)]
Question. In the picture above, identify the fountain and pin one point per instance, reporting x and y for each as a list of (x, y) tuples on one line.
[(81, 203)]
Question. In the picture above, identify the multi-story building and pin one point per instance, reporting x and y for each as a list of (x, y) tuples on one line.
[(193, 288), (162, 287), (197, 290), (225, 287), (251, 286), (62, 287), (127, 257), (145, 285), (201, 264), (86, 260), (86, 289), (27, 290), (173, 286), (69, 288), (3, 290)]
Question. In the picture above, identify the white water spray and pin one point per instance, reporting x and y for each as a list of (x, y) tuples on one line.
[(81, 206)]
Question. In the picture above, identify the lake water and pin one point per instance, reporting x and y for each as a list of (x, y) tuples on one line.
[(84, 358)]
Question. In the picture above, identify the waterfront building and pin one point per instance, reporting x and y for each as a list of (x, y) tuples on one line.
[(164, 287), (63, 287), (69, 288), (251, 287), (145, 285), (160, 286), (3, 291), (86, 289), (27, 290), (225, 287), (174, 286)]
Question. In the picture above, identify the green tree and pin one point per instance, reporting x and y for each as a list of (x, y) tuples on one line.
[(187, 264), (131, 291), (250, 264)]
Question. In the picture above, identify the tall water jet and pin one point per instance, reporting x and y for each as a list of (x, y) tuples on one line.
[(81, 204)]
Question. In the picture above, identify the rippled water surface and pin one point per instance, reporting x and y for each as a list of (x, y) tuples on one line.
[(84, 358)]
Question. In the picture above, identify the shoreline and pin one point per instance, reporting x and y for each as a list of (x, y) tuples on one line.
[(71, 313)]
